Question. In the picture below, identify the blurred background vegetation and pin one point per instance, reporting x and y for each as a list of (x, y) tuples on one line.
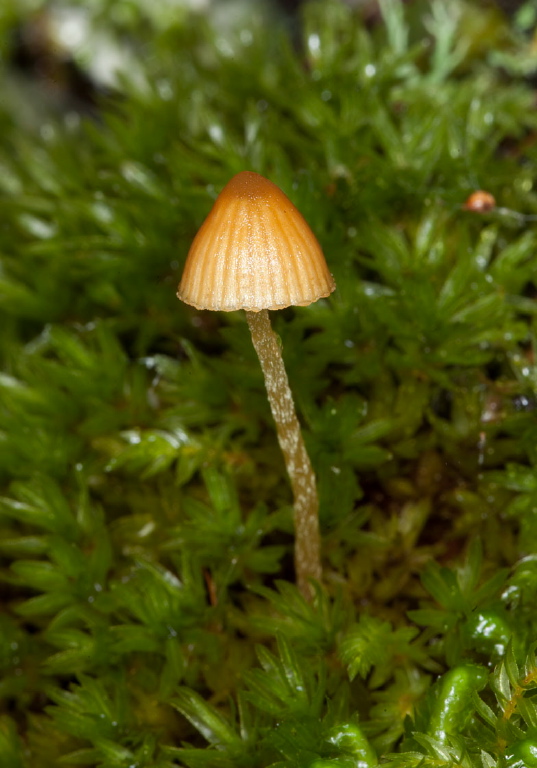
[(149, 616)]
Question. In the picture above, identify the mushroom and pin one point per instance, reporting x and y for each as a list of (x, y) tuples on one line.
[(255, 251), (480, 202)]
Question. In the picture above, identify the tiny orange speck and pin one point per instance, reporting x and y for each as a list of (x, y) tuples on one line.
[(480, 202)]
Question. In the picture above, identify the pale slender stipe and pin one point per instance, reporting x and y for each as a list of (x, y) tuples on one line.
[(297, 461)]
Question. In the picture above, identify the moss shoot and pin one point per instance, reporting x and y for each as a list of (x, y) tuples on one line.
[(149, 615)]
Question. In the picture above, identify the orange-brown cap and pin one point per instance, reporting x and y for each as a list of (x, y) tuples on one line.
[(480, 202), (254, 251)]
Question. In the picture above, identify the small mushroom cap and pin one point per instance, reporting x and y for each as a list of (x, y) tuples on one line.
[(254, 251), (480, 202)]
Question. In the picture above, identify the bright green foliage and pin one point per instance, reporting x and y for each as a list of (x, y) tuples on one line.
[(472, 616), (289, 727), (374, 644), (149, 616)]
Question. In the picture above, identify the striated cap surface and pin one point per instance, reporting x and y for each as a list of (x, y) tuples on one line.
[(254, 251)]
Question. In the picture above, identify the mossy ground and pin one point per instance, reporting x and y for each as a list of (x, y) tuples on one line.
[(149, 615)]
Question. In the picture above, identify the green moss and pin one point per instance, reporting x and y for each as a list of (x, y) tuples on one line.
[(149, 615)]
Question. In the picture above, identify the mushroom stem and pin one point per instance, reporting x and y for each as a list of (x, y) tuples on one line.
[(306, 502)]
